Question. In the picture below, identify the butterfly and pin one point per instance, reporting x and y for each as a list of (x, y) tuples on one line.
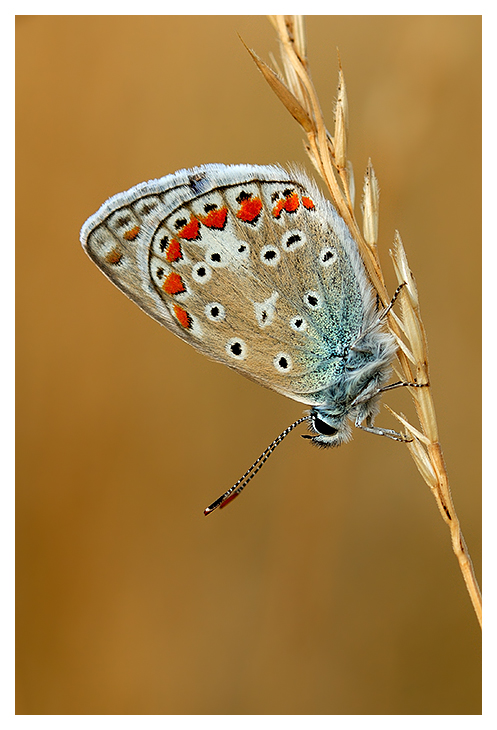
[(254, 267)]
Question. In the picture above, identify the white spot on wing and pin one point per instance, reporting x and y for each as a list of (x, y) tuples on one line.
[(265, 311)]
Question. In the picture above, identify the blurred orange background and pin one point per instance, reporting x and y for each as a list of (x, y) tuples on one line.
[(330, 586)]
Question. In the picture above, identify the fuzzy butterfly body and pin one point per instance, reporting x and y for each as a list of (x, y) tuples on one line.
[(253, 267)]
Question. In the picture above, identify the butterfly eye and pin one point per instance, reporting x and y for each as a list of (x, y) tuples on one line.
[(323, 428)]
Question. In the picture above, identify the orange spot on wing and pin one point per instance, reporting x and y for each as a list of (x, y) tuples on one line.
[(114, 256), (183, 317), (291, 203), (249, 209), (308, 203), (215, 218), (174, 284), (132, 234), (190, 231), (174, 252), (278, 208)]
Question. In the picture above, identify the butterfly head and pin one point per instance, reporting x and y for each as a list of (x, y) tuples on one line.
[(328, 429)]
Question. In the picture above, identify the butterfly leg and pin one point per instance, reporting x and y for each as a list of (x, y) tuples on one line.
[(395, 435), (393, 300), (357, 347), (369, 393), (401, 384)]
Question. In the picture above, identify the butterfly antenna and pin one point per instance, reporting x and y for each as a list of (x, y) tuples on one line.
[(235, 490)]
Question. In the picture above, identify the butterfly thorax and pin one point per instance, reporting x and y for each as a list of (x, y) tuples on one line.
[(354, 395)]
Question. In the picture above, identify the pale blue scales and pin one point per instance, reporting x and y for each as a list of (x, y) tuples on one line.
[(253, 267)]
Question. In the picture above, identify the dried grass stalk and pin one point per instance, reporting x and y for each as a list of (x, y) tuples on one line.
[(328, 154)]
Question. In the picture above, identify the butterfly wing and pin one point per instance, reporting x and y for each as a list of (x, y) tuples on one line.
[(249, 264)]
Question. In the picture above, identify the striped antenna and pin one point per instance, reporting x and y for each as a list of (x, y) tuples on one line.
[(235, 490)]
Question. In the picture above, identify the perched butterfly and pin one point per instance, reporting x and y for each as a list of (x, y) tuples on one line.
[(254, 267)]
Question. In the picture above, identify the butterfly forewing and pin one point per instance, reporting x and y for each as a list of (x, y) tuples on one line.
[(250, 265)]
